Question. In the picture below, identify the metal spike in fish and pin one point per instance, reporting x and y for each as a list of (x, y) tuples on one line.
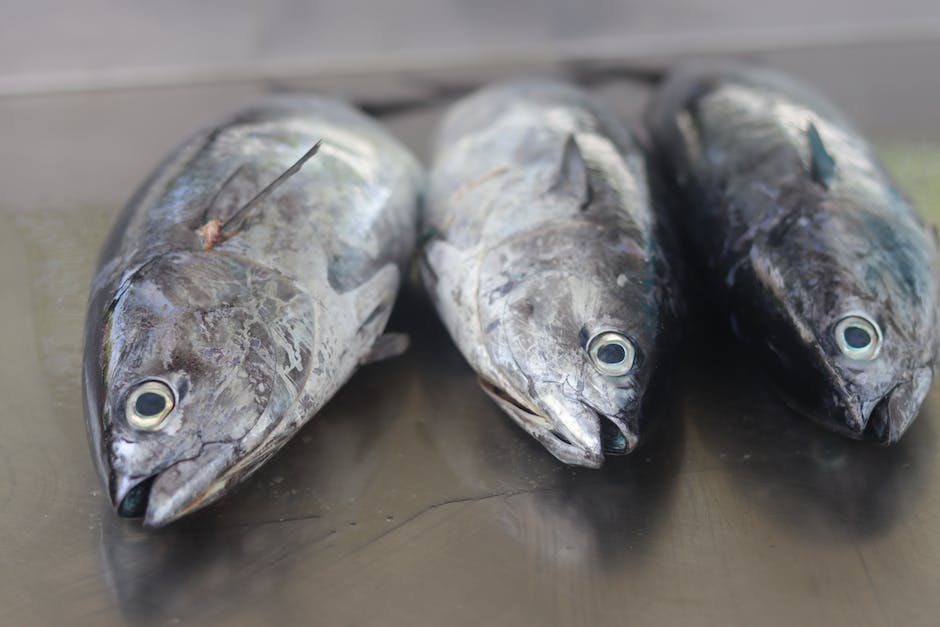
[(544, 262), (238, 290), (826, 267)]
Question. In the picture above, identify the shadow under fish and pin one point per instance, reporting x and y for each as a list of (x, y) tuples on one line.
[(813, 485), (284, 516)]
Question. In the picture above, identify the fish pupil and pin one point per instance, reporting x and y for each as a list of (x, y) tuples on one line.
[(611, 353), (857, 337), (149, 404)]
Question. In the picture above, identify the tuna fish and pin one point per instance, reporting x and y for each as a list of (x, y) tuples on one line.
[(825, 267), (544, 258), (238, 290)]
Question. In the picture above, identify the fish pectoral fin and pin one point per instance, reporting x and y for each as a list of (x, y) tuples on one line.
[(371, 305), (441, 264), (386, 346), (375, 297)]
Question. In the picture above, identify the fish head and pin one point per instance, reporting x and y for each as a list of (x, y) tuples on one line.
[(857, 333), (188, 366), (571, 337)]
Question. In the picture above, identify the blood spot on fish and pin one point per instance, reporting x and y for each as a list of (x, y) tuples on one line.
[(211, 234)]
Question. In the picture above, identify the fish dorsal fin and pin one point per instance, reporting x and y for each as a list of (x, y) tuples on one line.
[(822, 167), (572, 177)]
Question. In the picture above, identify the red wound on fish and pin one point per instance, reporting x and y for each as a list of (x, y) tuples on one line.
[(212, 231), (211, 234)]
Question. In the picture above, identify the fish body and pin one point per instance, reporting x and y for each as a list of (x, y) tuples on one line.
[(202, 358), (544, 262), (824, 265)]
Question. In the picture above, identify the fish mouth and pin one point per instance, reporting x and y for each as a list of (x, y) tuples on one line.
[(614, 441), (178, 489), (882, 419), (142, 501), (134, 502), (577, 435), (825, 395), (130, 494), (894, 413)]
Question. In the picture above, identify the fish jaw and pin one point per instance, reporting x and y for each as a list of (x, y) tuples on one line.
[(182, 487), (883, 419), (573, 431), (826, 396), (188, 485), (891, 417), (161, 491), (874, 401), (197, 475), (169, 493), (618, 436)]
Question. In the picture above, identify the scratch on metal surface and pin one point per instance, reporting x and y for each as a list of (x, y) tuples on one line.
[(871, 583), (430, 508)]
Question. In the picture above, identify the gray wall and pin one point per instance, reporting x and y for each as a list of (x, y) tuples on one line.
[(50, 45)]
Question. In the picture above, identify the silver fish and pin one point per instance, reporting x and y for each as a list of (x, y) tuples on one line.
[(824, 264), (236, 294), (544, 262)]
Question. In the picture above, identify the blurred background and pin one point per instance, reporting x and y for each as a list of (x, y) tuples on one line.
[(50, 46), (146, 74)]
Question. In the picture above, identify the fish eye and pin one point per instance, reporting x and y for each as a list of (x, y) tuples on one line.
[(612, 353), (858, 337), (148, 405)]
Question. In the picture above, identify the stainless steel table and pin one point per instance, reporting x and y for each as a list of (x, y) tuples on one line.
[(411, 499)]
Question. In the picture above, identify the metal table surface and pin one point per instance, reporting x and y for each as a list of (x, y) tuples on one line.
[(411, 499)]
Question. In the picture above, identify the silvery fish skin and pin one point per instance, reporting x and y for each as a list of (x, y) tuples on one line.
[(251, 337), (826, 267), (542, 238)]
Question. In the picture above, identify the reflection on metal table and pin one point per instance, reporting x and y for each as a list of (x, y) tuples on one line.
[(411, 499)]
